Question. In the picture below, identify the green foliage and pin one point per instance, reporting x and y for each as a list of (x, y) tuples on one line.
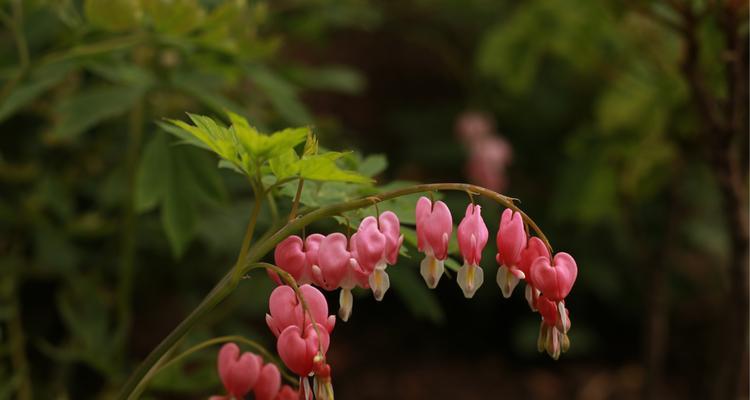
[(252, 152)]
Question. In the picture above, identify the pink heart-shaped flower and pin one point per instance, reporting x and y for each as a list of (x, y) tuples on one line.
[(472, 235), (269, 383), (333, 261), (434, 227), (511, 238), (391, 228), (238, 372), (554, 281), (369, 245), (297, 347), (533, 250), (286, 309)]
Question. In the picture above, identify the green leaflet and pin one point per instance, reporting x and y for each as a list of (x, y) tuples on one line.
[(241, 145), (86, 109), (180, 180)]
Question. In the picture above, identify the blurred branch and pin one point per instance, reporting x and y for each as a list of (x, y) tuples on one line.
[(722, 129), (17, 344), (14, 22)]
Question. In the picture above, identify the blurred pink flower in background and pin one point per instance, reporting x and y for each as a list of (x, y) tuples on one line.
[(489, 152)]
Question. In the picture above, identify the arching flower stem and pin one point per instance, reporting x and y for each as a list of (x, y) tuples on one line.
[(254, 253)]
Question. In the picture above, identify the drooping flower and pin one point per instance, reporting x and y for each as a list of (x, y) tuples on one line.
[(511, 240), (298, 347), (535, 249), (376, 245), (238, 372), (269, 383), (472, 237), (338, 267), (286, 309), (297, 257), (287, 393), (554, 278), (553, 330), (434, 227)]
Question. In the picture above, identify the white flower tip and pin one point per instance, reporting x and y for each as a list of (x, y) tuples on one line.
[(432, 270), (470, 278), (346, 302), (506, 280), (379, 283)]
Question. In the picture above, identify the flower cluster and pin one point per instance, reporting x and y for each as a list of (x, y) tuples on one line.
[(302, 327), (548, 279), (300, 320), (333, 261), (242, 373)]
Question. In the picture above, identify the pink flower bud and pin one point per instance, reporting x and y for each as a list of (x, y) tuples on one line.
[(298, 347), (238, 372), (554, 281), (269, 383)]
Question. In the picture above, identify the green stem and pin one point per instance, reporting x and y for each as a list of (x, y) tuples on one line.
[(260, 249), (251, 225), (127, 260), (17, 345), (297, 196)]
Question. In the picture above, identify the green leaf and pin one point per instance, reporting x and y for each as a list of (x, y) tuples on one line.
[(285, 165), (89, 108), (323, 168), (281, 94), (152, 174), (39, 82), (113, 15), (373, 165), (418, 299), (340, 79), (174, 16), (180, 179)]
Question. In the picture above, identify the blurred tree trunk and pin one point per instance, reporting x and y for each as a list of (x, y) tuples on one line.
[(724, 132)]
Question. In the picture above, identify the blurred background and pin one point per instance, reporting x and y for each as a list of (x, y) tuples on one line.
[(621, 125)]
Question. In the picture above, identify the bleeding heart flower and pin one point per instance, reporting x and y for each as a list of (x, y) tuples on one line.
[(269, 383), (373, 236), (553, 329), (286, 309), (554, 280), (511, 240), (334, 261), (238, 372), (434, 227), (298, 347), (297, 257), (287, 393), (472, 237), (391, 228), (535, 249)]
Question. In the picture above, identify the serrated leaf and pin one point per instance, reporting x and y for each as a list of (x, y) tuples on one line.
[(89, 108), (323, 168), (285, 165)]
